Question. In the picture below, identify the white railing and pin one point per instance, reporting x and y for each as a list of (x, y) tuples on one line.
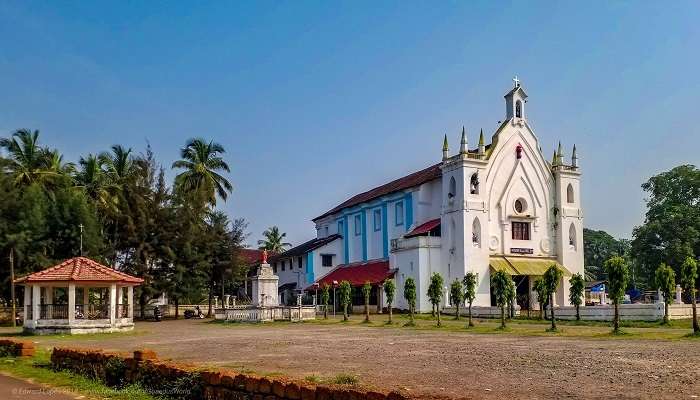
[(262, 314)]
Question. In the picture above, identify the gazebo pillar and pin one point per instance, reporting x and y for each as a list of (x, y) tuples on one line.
[(86, 298), (36, 300), (27, 302), (120, 300), (71, 303), (48, 299), (112, 304), (130, 300)]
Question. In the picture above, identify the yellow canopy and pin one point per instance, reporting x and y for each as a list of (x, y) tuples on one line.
[(524, 265)]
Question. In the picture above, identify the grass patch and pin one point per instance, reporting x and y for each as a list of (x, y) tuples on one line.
[(37, 369), (346, 379), (315, 379)]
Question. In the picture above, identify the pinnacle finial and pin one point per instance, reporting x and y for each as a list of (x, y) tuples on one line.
[(445, 148), (554, 158), (463, 143), (559, 152), (574, 158), (482, 148)]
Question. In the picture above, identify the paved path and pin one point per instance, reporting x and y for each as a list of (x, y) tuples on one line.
[(13, 388)]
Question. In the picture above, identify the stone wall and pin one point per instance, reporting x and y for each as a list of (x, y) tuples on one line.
[(179, 381)]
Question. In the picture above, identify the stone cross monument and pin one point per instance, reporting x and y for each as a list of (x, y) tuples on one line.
[(265, 285)]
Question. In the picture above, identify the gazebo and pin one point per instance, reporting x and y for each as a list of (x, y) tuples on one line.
[(78, 295)]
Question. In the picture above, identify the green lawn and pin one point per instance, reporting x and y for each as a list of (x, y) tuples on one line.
[(37, 370)]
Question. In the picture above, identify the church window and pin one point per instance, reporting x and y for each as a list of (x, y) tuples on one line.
[(569, 194), (572, 236), (358, 227), (453, 188), (398, 213), (474, 184), (476, 233), (521, 230), (519, 206), (518, 109), (377, 220)]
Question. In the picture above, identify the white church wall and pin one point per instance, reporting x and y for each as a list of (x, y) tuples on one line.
[(418, 258)]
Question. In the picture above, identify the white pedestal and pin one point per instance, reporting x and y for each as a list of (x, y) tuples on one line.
[(265, 287)]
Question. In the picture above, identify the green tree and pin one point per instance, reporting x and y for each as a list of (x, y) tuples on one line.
[(665, 280), (689, 278), (599, 246), (390, 292), (435, 293), (618, 272), (366, 291), (345, 293), (27, 160), (409, 293), (273, 240), (540, 287), (671, 228), (325, 297), (551, 278), (201, 179), (576, 293), (457, 296), (469, 283), (503, 290)]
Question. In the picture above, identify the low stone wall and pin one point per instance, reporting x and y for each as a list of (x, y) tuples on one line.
[(16, 348), (479, 312), (178, 381)]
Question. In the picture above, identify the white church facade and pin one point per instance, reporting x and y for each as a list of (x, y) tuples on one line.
[(497, 206)]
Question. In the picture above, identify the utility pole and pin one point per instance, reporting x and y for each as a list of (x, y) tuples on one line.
[(12, 287), (81, 240)]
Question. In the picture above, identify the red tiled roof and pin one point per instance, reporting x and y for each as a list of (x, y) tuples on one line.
[(408, 181), (79, 269), (423, 228), (374, 272)]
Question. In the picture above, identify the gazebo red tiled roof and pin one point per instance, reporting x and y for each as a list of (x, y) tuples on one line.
[(79, 269), (375, 272)]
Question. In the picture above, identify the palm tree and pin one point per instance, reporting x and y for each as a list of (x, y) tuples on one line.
[(118, 165), (200, 179), (273, 241), (91, 178), (26, 159)]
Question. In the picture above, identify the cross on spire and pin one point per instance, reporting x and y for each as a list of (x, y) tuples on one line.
[(516, 81)]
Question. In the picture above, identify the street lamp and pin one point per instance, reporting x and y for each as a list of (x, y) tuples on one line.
[(335, 283)]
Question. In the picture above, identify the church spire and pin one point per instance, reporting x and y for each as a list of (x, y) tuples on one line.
[(574, 158), (445, 149), (560, 155), (482, 148), (463, 143)]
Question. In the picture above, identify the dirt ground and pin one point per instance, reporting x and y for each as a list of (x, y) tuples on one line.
[(428, 362)]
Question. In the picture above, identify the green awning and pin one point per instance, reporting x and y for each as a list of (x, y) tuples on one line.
[(525, 265)]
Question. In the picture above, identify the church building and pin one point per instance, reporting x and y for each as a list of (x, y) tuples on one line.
[(497, 206)]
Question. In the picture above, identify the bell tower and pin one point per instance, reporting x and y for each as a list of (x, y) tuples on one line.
[(515, 101)]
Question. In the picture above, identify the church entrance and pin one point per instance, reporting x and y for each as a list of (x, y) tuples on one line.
[(522, 292)]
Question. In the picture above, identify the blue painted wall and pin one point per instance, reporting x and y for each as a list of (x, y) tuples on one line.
[(385, 230), (310, 267)]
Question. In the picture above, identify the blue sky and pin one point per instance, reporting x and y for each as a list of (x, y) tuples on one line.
[(317, 101)]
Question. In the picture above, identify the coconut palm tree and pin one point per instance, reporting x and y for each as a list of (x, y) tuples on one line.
[(118, 165), (201, 162), (274, 240), (92, 179), (26, 159)]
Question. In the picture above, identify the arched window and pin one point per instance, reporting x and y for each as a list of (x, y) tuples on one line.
[(474, 184), (572, 236), (476, 233), (518, 109), (453, 188), (569, 194)]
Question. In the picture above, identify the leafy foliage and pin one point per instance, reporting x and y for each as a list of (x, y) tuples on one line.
[(409, 293), (576, 292), (325, 297), (469, 284), (665, 280), (689, 279), (456, 295), (435, 292), (390, 292), (618, 272), (503, 290), (345, 294), (273, 240)]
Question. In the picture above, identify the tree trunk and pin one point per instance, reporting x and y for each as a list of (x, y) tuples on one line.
[(177, 308), (578, 313), (142, 304), (211, 297), (390, 315), (366, 311), (457, 315), (470, 314), (666, 309), (432, 313), (554, 320), (12, 288), (616, 319), (411, 309), (696, 328), (325, 311), (345, 312), (541, 310), (503, 316), (438, 316)]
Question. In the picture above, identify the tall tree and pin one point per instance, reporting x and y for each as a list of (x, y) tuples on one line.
[(671, 229), (26, 158), (689, 278), (201, 179), (345, 293), (665, 280), (469, 283), (325, 297), (409, 293), (576, 291), (599, 246), (457, 295), (435, 293), (366, 291), (390, 292), (617, 269), (540, 287), (503, 290), (551, 278), (273, 240)]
